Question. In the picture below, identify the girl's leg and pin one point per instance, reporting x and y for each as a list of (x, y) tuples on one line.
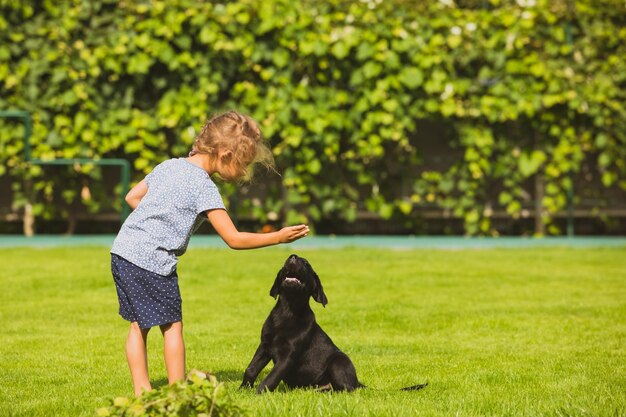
[(138, 358), (174, 350)]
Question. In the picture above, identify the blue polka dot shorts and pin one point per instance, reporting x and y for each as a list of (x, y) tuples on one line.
[(145, 297)]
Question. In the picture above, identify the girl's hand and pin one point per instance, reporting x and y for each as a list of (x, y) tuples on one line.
[(290, 233)]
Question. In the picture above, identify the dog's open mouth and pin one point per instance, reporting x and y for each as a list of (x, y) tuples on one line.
[(292, 280)]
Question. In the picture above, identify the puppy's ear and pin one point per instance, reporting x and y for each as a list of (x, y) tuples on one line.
[(276, 287), (318, 291)]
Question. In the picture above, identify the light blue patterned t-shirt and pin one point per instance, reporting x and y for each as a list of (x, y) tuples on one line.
[(157, 232)]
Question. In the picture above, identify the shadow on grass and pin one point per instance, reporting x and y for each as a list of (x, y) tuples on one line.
[(161, 382), (228, 375)]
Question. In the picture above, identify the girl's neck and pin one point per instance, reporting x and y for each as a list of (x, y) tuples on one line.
[(203, 161)]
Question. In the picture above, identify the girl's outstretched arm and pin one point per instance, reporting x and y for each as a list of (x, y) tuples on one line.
[(223, 225)]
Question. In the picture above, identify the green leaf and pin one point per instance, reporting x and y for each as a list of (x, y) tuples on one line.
[(364, 51), (530, 163), (372, 69), (601, 140), (280, 57), (411, 77), (340, 50), (314, 166), (604, 160), (139, 63)]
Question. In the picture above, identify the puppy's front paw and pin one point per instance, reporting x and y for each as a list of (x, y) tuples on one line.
[(262, 390), (245, 385)]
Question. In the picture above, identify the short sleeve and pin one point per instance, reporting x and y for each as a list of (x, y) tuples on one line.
[(209, 198), (149, 179)]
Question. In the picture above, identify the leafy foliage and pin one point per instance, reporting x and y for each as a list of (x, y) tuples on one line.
[(201, 395), (527, 88)]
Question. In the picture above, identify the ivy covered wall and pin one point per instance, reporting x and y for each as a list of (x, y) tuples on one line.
[(523, 95)]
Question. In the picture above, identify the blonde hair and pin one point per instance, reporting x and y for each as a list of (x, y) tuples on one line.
[(239, 135)]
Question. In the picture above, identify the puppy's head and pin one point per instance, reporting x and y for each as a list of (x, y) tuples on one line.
[(297, 275)]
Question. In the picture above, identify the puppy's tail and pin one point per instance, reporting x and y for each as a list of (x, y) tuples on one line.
[(414, 387)]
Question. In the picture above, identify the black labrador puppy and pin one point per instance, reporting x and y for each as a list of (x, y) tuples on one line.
[(303, 354)]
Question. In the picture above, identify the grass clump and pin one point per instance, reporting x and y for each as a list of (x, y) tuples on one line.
[(201, 395)]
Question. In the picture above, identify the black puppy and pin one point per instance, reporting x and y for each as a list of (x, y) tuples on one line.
[(303, 354)]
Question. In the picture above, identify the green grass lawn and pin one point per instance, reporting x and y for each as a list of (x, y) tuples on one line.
[(495, 332)]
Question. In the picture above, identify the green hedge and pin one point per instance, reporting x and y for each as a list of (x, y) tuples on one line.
[(527, 88)]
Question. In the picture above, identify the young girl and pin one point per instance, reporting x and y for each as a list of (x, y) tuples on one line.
[(169, 204)]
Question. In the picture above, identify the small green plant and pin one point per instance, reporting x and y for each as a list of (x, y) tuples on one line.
[(200, 395)]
